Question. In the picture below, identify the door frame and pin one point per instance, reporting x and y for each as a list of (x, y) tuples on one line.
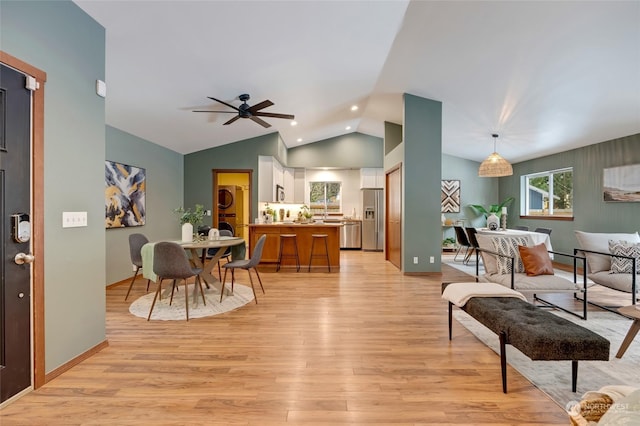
[(37, 213), (389, 194), (214, 191)]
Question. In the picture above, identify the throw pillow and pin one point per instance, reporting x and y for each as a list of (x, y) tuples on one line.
[(508, 246), (621, 265), (598, 242), (536, 260)]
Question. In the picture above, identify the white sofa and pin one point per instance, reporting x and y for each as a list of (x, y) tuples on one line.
[(518, 280), (595, 247)]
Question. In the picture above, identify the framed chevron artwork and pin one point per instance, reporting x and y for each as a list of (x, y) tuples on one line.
[(450, 197)]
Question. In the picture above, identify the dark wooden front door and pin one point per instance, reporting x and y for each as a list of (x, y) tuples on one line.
[(15, 185)]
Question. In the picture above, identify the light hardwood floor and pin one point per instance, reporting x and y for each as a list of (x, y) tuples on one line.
[(366, 345)]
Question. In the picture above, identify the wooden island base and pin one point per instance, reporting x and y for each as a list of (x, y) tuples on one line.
[(303, 232)]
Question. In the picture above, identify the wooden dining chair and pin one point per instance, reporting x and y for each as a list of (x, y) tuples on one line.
[(170, 261), (136, 241), (246, 264)]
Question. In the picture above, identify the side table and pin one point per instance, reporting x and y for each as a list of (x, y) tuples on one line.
[(632, 312)]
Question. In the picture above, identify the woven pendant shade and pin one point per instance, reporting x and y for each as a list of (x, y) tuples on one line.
[(495, 165)]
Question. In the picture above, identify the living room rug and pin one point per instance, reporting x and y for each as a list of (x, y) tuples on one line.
[(176, 311), (554, 377)]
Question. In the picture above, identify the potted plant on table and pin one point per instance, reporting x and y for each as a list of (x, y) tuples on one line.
[(190, 220), (494, 209), (305, 213)]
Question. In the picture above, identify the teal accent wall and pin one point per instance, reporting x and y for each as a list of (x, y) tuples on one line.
[(392, 136), (591, 213), (422, 166), (473, 189), (164, 193), (60, 39), (198, 178), (354, 150)]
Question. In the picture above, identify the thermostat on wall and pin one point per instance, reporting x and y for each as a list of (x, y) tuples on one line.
[(101, 88)]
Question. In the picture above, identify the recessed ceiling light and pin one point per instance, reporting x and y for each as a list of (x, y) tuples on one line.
[(348, 128), (354, 108), (299, 140), (294, 123)]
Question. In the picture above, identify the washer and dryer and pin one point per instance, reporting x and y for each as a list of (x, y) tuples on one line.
[(230, 207)]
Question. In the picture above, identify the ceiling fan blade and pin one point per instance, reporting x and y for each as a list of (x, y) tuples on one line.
[(232, 120), (260, 121), (224, 103), (274, 115), (261, 105), (220, 112)]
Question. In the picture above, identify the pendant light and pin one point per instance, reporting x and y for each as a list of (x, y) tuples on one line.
[(495, 165)]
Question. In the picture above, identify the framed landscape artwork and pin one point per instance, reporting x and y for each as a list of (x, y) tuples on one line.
[(124, 202), (450, 196), (621, 184)]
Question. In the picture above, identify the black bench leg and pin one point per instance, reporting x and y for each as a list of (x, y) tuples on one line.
[(503, 360), (574, 375), (450, 321)]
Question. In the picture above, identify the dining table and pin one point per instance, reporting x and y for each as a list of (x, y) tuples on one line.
[(194, 250)]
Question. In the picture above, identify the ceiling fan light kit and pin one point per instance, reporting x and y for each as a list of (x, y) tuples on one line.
[(251, 112), (495, 165)]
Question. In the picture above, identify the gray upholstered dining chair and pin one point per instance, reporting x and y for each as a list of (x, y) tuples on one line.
[(171, 262), (246, 264), (136, 241), (227, 252), (521, 227), (543, 230)]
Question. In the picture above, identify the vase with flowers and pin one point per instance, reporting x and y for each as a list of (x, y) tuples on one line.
[(190, 220)]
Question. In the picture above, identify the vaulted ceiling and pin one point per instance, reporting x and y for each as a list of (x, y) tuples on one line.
[(545, 76)]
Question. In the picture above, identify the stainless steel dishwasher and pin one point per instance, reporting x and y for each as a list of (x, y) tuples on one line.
[(351, 234)]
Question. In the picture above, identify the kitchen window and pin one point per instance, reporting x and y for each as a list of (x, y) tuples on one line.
[(548, 194), (325, 197)]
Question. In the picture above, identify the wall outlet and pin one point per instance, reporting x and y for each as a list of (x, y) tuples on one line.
[(432, 259), (415, 260), (133, 267)]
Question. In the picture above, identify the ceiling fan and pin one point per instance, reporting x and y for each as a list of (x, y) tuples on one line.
[(251, 112)]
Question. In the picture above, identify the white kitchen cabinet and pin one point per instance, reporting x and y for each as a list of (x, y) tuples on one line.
[(299, 185), (270, 174), (288, 184), (372, 178)]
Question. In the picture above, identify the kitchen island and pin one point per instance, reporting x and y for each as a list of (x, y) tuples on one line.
[(303, 232)]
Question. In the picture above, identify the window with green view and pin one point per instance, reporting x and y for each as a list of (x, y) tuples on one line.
[(325, 197), (548, 193)]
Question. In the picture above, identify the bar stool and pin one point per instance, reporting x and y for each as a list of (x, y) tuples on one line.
[(315, 237), (293, 238)]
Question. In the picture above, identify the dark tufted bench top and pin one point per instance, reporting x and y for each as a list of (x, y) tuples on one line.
[(537, 333)]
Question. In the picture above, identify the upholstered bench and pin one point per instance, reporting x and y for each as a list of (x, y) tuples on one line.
[(539, 334)]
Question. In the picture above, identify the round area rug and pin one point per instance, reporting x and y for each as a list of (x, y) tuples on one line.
[(176, 311)]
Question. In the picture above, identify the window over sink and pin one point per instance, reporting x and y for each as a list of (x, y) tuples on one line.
[(325, 197)]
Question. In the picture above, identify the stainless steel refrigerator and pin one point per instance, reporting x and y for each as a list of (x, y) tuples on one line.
[(372, 219)]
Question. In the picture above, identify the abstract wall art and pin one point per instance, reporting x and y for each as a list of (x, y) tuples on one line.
[(621, 184), (450, 196), (124, 192)]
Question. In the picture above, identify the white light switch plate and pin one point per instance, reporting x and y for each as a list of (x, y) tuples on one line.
[(74, 219)]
